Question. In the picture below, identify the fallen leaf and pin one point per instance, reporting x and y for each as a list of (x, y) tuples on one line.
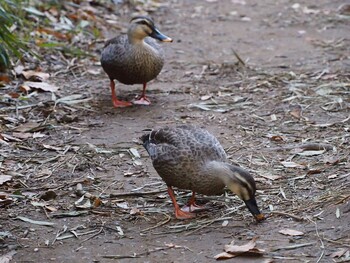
[(311, 153), (83, 204), (290, 232), (4, 178), (232, 250), (236, 249), (35, 222), (225, 223), (292, 165), (48, 195), (134, 153), (35, 75), (6, 258), (206, 97), (339, 253), (22, 135), (4, 78), (296, 112), (73, 99), (224, 255), (337, 213), (135, 211), (38, 135), (41, 85), (97, 202), (27, 127), (276, 138), (271, 176)]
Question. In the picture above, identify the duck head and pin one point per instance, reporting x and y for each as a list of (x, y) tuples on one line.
[(143, 26), (240, 182)]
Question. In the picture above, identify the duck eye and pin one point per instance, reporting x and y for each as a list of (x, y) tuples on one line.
[(143, 22)]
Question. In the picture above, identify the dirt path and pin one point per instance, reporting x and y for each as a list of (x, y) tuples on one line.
[(293, 91)]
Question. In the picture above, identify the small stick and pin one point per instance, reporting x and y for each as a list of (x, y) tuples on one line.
[(294, 246), (86, 239), (159, 224), (137, 193), (342, 200), (336, 242), (287, 214)]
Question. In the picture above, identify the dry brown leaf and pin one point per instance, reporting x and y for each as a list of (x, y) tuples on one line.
[(24, 88), (35, 75), (224, 255), (4, 78), (232, 250), (41, 85), (4, 178), (22, 135), (271, 176), (292, 165), (236, 249), (276, 138), (97, 202), (51, 147), (6, 258), (290, 232), (27, 127), (339, 253)]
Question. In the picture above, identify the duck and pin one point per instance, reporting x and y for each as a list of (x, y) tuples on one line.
[(134, 58), (191, 158)]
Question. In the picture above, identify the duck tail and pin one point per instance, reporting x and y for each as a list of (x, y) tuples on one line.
[(146, 140)]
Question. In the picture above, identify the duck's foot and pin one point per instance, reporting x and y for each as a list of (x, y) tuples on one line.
[(194, 208), (121, 104), (142, 101), (180, 214)]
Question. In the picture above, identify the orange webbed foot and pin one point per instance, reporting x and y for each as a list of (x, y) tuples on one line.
[(121, 104), (142, 101), (180, 214)]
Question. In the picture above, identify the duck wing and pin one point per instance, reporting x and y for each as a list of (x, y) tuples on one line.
[(184, 143)]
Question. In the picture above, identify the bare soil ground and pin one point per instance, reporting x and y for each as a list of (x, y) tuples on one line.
[(284, 116)]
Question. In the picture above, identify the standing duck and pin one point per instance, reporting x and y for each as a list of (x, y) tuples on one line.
[(135, 58), (191, 158)]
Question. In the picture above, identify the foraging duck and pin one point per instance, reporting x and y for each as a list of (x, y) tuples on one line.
[(135, 58), (191, 158)]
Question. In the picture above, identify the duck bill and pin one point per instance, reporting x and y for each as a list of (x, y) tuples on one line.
[(160, 36), (253, 208)]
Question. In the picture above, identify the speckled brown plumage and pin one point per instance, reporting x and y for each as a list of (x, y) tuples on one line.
[(134, 58), (180, 156), (191, 158), (132, 64)]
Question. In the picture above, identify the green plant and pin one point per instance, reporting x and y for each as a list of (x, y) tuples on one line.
[(10, 43)]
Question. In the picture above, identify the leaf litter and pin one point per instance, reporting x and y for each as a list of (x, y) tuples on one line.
[(308, 117)]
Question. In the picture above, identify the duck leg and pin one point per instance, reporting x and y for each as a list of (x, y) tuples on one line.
[(117, 103), (179, 214), (143, 100)]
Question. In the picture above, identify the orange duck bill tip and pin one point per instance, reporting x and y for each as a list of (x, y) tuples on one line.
[(260, 217), (168, 39)]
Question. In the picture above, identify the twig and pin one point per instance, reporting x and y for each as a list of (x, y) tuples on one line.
[(336, 242), (86, 239), (238, 57), (288, 214), (58, 234), (137, 193), (138, 255), (342, 200), (159, 224), (294, 246), (322, 244)]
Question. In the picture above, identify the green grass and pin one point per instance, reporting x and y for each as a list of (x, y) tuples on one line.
[(10, 44)]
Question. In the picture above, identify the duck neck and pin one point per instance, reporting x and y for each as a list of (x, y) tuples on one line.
[(235, 178)]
